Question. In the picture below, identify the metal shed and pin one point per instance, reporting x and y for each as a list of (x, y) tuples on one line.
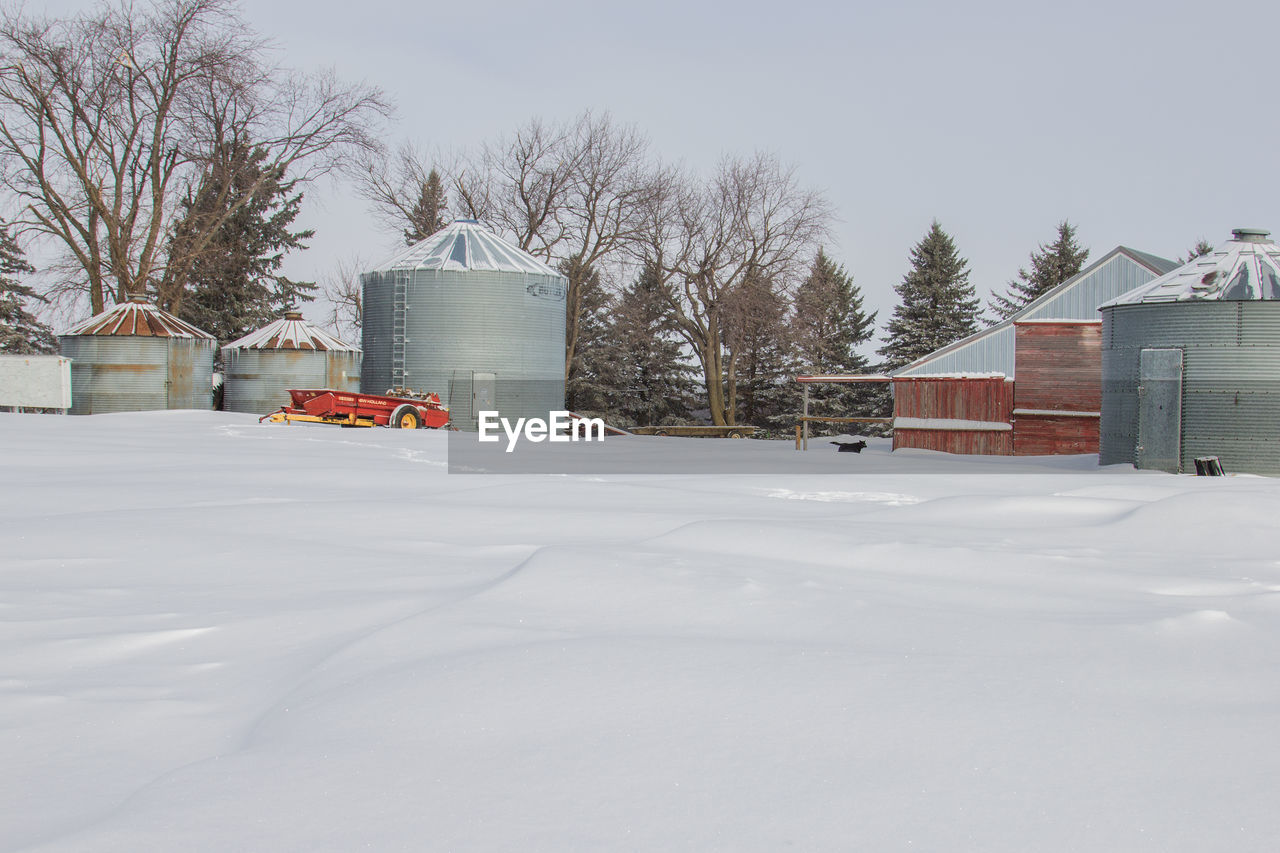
[(468, 316), (1191, 363), (289, 353), (1028, 385), (134, 357)]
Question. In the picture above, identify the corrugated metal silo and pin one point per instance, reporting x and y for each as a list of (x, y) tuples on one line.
[(135, 357), (467, 316), (289, 353), (1191, 363)]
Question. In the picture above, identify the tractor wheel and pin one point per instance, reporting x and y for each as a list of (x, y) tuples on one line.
[(735, 434), (661, 432), (405, 417)]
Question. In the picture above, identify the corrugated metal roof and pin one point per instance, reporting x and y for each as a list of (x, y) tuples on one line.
[(1155, 263), (291, 332), (1077, 298), (139, 319), (1245, 267), (465, 245)]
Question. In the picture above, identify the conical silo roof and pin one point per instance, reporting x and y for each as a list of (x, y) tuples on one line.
[(140, 318), (293, 333), (465, 245), (1246, 267)]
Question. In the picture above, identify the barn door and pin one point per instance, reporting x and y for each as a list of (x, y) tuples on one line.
[(1160, 410)]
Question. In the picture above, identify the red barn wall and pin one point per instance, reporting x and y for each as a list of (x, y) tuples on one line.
[(988, 399), (1058, 366)]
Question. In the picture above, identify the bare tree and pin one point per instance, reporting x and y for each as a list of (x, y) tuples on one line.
[(108, 118), (751, 221), (399, 185), (341, 286)]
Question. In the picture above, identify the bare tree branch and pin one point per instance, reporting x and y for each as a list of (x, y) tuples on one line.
[(108, 118)]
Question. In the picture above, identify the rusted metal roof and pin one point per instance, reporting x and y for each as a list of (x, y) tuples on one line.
[(137, 319), (291, 332)]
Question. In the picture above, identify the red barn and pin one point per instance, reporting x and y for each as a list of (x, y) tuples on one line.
[(1030, 385), (1057, 399)]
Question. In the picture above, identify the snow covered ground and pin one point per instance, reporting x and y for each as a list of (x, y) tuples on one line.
[(217, 635)]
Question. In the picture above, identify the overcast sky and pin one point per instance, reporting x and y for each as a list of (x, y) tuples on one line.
[(1144, 124)]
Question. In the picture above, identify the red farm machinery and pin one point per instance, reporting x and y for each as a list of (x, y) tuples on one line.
[(345, 408)]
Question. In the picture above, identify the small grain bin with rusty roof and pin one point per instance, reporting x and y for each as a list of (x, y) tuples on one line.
[(262, 366), (134, 357)]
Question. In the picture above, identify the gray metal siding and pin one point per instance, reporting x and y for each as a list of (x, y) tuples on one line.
[(1231, 379), (117, 373), (375, 332), (1118, 427), (258, 381), (460, 323), (1080, 301), (991, 352)]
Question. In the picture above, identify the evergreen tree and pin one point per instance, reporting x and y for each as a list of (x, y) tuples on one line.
[(1199, 250), (653, 384), (21, 332), (829, 321), (1051, 265), (429, 212), (592, 372), (234, 282), (762, 363), (828, 325), (937, 303)]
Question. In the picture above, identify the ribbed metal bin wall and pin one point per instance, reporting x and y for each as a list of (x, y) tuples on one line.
[(116, 373), (258, 381), (458, 324), (377, 293), (1230, 382)]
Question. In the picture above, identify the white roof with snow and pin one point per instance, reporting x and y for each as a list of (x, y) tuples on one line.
[(465, 245), (291, 332), (1245, 267)]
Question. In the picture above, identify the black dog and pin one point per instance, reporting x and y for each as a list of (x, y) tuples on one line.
[(849, 446)]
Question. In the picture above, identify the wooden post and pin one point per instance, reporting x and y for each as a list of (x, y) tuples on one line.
[(797, 436), (805, 423)]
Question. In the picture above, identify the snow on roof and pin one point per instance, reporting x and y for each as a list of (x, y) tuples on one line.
[(465, 245), (291, 332), (1245, 267), (137, 318)]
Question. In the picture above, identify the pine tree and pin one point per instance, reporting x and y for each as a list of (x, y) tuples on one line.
[(1051, 265), (592, 371), (828, 325), (829, 321), (937, 306), (1199, 250), (429, 212), (21, 332), (234, 283), (652, 383), (762, 363)]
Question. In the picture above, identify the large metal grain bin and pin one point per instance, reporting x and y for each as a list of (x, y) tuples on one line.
[(468, 316), (135, 357), (1191, 363), (261, 367)]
